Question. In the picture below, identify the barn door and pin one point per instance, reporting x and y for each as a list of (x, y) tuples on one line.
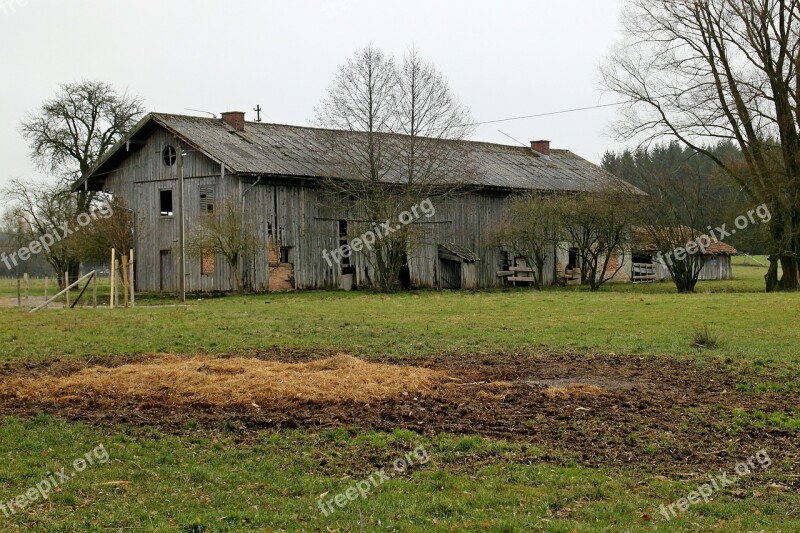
[(167, 272)]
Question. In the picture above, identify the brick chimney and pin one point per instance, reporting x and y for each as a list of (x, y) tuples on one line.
[(543, 147), (234, 119)]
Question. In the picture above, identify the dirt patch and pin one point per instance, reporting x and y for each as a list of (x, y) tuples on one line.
[(662, 413)]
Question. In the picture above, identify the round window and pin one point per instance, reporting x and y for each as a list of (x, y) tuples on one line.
[(170, 155)]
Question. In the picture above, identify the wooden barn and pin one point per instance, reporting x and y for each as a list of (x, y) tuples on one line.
[(647, 266), (279, 172)]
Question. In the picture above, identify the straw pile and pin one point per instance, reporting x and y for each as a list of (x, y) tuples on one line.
[(575, 389), (208, 381)]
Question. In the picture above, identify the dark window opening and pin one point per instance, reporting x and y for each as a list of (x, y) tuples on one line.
[(285, 254), (343, 242), (645, 259), (505, 261), (573, 259), (170, 155), (206, 199), (166, 203)]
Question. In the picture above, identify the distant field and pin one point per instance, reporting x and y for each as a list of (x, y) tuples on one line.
[(512, 447)]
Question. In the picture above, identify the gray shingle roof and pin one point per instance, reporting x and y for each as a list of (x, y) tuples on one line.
[(274, 149)]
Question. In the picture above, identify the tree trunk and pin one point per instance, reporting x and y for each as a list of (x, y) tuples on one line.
[(771, 277), (790, 281), (540, 276)]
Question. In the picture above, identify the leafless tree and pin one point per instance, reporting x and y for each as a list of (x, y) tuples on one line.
[(227, 233), (49, 213), (95, 241), (16, 233), (73, 130), (599, 225), (531, 229), (672, 218), (397, 148), (68, 135), (701, 70)]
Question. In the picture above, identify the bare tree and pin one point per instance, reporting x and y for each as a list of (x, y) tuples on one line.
[(599, 225), (227, 233), (95, 241), (701, 70), (680, 203), (49, 213), (531, 229), (16, 233), (69, 134), (397, 148), (73, 130)]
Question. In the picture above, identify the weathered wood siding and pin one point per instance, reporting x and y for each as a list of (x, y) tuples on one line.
[(717, 267), (291, 213), (139, 180)]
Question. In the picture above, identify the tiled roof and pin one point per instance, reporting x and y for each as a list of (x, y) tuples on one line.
[(643, 241)]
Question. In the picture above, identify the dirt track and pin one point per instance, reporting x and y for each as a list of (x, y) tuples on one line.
[(659, 413)]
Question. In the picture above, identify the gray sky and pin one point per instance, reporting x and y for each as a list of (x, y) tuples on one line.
[(503, 58)]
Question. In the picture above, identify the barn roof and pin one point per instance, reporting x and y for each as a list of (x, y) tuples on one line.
[(281, 150), (643, 240)]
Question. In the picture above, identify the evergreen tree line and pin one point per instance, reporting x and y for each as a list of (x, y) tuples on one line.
[(647, 168)]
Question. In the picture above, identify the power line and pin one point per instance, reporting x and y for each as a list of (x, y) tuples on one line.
[(545, 114)]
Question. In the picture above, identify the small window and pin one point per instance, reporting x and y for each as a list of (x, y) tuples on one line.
[(207, 263), (169, 155), (285, 254), (206, 199), (166, 203)]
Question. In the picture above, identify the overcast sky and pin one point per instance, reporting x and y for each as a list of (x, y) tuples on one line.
[(503, 58)]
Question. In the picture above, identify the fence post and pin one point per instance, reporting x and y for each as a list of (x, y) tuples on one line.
[(113, 277), (19, 293), (130, 279), (66, 294), (46, 283), (124, 280), (27, 281), (94, 291)]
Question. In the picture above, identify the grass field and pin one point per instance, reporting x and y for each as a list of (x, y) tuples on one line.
[(204, 473)]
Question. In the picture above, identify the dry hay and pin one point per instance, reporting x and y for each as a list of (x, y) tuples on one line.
[(208, 381), (574, 389)]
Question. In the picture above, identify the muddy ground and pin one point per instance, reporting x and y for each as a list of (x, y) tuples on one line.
[(662, 414)]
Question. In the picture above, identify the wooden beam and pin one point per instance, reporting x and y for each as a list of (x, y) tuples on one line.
[(54, 298)]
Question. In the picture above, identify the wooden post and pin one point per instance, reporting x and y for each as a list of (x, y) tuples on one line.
[(46, 283), (181, 229), (113, 278), (130, 279), (124, 280), (66, 292), (94, 291), (116, 283), (27, 282), (19, 293)]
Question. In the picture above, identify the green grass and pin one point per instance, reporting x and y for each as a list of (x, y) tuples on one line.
[(201, 482), (645, 319), (211, 479)]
